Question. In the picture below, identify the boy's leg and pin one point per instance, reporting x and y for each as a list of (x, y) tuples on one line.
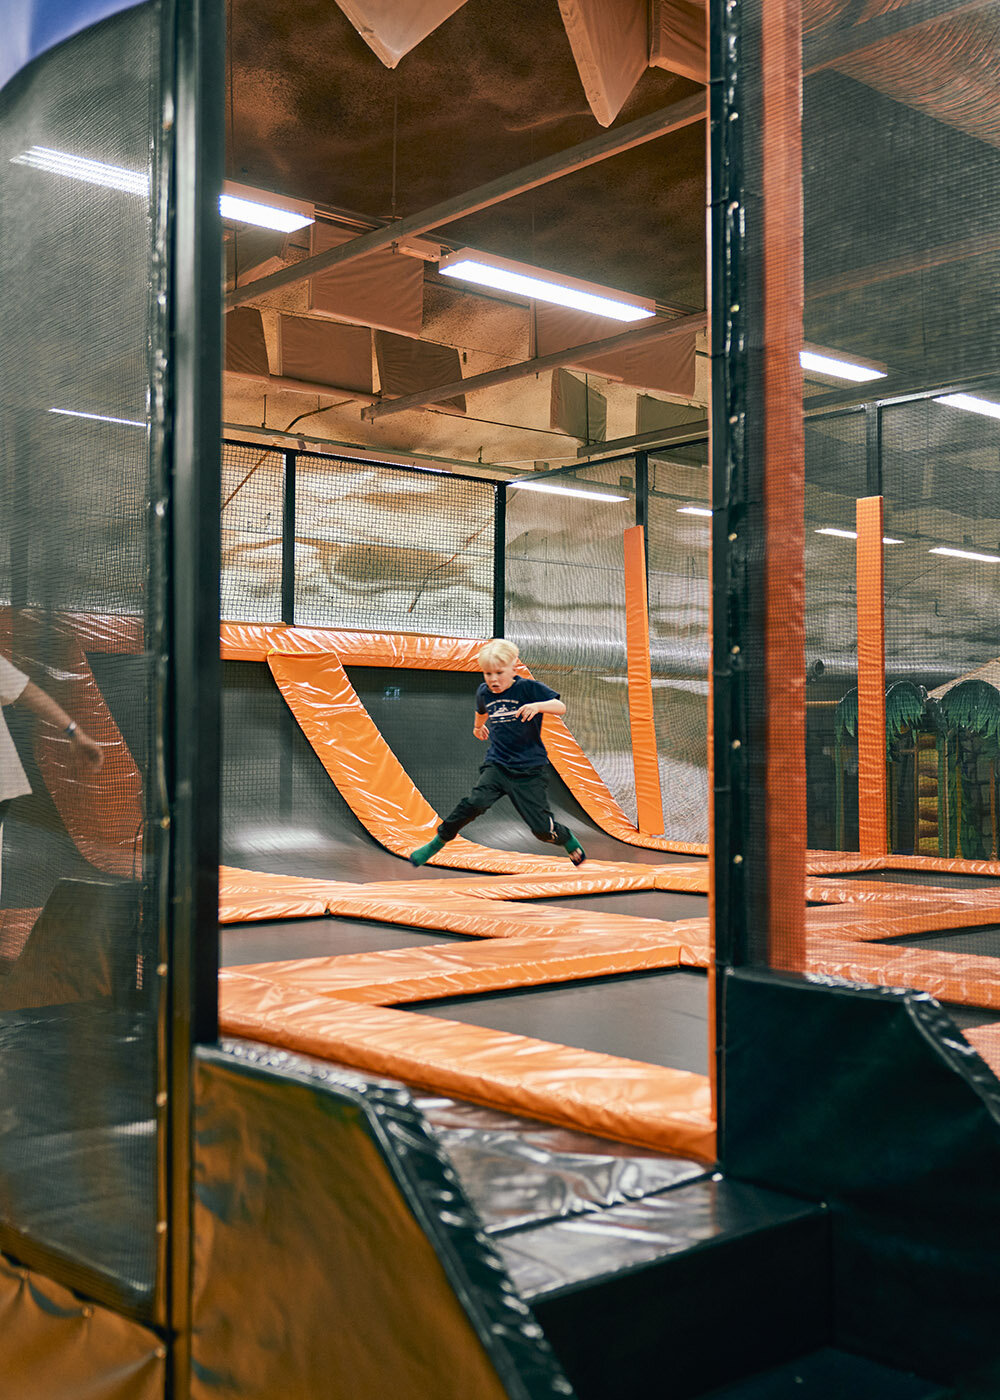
[(482, 796), (529, 794)]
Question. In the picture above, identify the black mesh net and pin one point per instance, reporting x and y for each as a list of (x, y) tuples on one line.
[(78, 471), (679, 621), (392, 549), (565, 606), (253, 481)]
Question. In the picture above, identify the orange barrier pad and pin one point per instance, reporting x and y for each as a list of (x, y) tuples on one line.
[(963, 978), (447, 906), (845, 863), (665, 1109), (397, 975), (254, 642)]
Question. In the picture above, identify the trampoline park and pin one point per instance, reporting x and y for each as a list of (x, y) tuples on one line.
[(659, 338)]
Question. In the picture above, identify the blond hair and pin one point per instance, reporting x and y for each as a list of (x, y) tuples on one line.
[(498, 652)]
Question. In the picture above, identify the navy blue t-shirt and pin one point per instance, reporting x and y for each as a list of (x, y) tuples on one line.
[(514, 743)]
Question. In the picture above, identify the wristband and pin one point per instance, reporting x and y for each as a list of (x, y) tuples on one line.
[(70, 728)]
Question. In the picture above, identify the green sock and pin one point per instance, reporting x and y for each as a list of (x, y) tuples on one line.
[(576, 852), (424, 853)]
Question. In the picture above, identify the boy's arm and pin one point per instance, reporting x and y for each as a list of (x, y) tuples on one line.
[(541, 707), (481, 727)]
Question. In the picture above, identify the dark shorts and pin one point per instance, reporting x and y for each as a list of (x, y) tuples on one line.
[(529, 793)]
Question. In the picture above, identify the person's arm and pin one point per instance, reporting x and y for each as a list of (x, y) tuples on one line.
[(541, 707), (46, 708), (481, 727)]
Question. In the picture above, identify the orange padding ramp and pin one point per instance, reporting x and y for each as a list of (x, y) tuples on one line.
[(256, 642), (665, 1109)]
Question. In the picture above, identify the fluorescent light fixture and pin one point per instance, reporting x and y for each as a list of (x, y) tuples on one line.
[(565, 491), (505, 275), (92, 172), (239, 202), (966, 554), (836, 368), (245, 205), (850, 534), (99, 417), (694, 510), (971, 404)]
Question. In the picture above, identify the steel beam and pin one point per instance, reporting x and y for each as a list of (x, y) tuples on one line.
[(573, 354), (541, 172)]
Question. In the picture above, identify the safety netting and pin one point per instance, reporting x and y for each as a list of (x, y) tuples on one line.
[(252, 530), (392, 548), (874, 477), (81, 330)]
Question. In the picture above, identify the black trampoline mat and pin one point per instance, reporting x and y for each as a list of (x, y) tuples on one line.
[(324, 937), (983, 941), (641, 904), (932, 878), (658, 1018)]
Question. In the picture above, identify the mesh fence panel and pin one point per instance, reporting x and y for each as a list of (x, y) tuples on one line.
[(565, 609), (77, 1085), (253, 481), (392, 549), (836, 475), (679, 620)]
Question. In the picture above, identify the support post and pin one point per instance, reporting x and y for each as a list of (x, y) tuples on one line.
[(872, 804), (288, 542), (499, 557)]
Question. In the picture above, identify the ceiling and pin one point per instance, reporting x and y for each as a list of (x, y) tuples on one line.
[(902, 188)]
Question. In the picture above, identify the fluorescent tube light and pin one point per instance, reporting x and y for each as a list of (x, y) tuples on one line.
[(92, 172), (283, 215), (694, 510), (971, 404), (850, 534), (836, 368), (245, 205), (505, 275), (965, 554), (99, 417), (565, 491)]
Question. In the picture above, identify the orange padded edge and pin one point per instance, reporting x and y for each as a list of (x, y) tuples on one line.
[(664, 1109), (871, 679), (396, 975), (254, 642), (963, 978), (822, 863), (986, 1040), (645, 757)]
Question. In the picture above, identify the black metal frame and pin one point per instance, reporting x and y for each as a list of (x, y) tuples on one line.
[(499, 558), (288, 540), (193, 729)]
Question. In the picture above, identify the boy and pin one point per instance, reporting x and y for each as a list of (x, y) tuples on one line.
[(509, 713)]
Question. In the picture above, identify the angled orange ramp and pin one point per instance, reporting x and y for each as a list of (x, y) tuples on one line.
[(665, 1109), (256, 642)]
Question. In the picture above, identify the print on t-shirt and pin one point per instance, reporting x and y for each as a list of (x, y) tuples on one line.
[(514, 743)]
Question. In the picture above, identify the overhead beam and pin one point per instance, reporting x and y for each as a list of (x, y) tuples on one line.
[(540, 172), (834, 44), (905, 266), (572, 355), (273, 382)]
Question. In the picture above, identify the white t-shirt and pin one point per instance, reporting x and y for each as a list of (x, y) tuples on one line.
[(13, 779)]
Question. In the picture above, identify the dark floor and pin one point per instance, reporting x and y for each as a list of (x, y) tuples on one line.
[(932, 878)]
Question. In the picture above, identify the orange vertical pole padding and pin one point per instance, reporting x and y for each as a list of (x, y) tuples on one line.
[(645, 759), (872, 804), (784, 483)]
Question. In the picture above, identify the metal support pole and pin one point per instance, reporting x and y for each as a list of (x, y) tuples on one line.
[(499, 557), (873, 449), (288, 543), (642, 504)]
